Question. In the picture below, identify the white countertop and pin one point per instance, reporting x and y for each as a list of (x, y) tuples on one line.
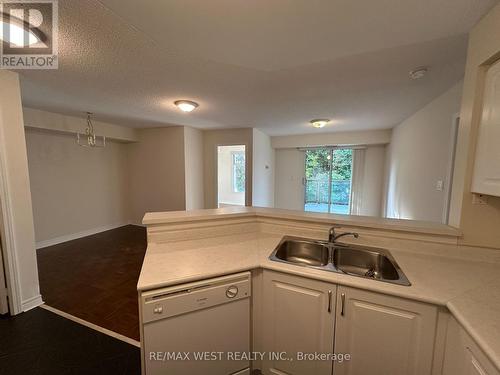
[(468, 288), (413, 226)]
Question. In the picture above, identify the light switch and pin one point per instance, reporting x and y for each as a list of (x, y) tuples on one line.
[(439, 185)]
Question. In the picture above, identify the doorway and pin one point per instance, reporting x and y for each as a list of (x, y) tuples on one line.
[(231, 175), (328, 180)]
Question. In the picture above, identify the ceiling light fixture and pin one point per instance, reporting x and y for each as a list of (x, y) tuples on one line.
[(319, 123), (186, 105), (419, 73), (18, 33)]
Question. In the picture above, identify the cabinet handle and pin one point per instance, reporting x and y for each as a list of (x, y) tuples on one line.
[(329, 301), (342, 300)]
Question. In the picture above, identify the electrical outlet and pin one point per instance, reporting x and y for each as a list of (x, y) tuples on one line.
[(479, 198)]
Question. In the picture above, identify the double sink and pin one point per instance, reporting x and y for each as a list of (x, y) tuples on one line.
[(367, 262)]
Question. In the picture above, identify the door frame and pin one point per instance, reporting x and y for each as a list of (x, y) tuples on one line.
[(4, 302), (9, 248), (451, 167)]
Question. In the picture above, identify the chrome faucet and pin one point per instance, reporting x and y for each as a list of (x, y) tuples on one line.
[(332, 237)]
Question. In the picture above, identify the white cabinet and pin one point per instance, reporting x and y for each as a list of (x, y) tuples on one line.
[(384, 335), (298, 316), (486, 176), (462, 355)]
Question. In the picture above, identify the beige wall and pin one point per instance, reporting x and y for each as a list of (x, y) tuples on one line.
[(290, 172), (35, 118), (479, 223), (368, 137), (75, 190), (18, 236), (226, 193), (263, 170), (157, 172), (214, 138), (418, 156), (193, 157)]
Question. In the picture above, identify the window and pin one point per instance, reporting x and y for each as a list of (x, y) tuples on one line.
[(238, 165), (328, 180)]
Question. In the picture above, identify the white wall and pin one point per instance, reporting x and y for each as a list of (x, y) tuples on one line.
[(263, 170), (419, 156), (193, 158), (225, 137), (371, 186), (226, 193), (18, 235), (290, 172), (75, 190), (157, 172)]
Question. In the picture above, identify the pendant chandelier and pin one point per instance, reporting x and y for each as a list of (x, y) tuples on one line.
[(92, 140)]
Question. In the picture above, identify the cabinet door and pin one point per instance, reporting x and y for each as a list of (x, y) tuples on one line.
[(298, 316), (462, 355), (384, 335), (486, 177)]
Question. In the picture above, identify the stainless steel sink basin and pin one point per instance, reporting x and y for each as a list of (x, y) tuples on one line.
[(297, 251), (376, 264), (367, 262)]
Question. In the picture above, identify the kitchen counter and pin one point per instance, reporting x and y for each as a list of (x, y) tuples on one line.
[(372, 222), (466, 286)]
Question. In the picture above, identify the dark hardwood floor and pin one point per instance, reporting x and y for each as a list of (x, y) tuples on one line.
[(41, 342), (95, 278)]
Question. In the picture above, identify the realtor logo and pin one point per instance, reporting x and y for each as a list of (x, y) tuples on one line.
[(28, 34)]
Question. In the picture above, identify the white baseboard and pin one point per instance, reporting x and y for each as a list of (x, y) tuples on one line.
[(74, 236), (31, 303)]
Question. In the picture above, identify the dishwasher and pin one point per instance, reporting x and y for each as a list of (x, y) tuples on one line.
[(198, 328)]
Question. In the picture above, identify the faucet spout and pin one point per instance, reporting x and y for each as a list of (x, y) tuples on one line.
[(332, 237)]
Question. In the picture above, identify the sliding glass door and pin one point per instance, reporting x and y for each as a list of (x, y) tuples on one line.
[(328, 180)]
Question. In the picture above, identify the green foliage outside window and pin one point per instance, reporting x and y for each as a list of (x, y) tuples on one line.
[(239, 172), (318, 164)]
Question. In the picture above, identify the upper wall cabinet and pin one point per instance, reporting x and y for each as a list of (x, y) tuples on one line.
[(486, 176)]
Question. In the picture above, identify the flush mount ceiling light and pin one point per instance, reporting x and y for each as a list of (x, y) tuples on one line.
[(319, 123), (419, 72), (18, 33), (186, 105)]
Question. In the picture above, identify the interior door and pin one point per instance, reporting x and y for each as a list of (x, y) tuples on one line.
[(298, 316), (384, 335)]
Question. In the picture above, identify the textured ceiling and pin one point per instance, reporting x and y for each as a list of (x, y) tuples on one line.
[(271, 64)]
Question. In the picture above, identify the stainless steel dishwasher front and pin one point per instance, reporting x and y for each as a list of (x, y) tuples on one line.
[(198, 328)]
